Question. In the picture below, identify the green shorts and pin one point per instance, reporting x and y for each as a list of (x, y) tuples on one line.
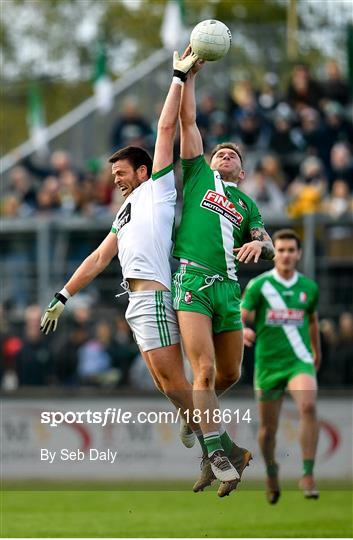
[(196, 289), (271, 382)]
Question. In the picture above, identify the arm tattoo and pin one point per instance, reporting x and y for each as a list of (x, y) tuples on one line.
[(267, 251)]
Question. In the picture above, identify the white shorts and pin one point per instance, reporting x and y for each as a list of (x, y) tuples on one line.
[(152, 319)]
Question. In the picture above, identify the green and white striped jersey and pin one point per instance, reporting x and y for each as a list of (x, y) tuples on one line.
[(282, 309), (216, 218)]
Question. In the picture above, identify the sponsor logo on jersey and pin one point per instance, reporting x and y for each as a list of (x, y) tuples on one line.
[(279, 317), (188, 297), (124, 217), (220, 204), (242, 204), (303, 297)]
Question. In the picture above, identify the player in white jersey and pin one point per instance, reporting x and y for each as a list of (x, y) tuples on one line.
[(142, 237)]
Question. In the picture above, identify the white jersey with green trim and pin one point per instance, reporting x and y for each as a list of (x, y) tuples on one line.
[(144, 226)]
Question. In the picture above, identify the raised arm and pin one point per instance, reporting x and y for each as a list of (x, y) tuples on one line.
[(190, 138), (93, 265), (163, 154)]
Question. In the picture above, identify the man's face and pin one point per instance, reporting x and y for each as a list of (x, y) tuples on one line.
[(125, 177), (287, 254), (227, 162)]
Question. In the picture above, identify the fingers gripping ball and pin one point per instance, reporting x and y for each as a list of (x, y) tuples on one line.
[(50, 318), (210, 40), (182, 65)]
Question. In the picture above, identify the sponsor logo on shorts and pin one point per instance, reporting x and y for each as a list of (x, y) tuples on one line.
[(188, 297), (220, 204), (279, 317)]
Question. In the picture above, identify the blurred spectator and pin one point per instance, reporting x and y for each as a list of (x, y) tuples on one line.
[(328, 334), (242, 98), (23, 189), (341, 164), (314, 134), (303, 91), (265, 191), (11, 346), (60, 163), (286, 140), (131, 128), (126, 349), (308, 189), (95, 359), (335, 88), (338, 129), (34, 360), (66, 356), (269, 95), (344, 348), (251, 131), (271, 167), (338, 205), (140, 377)]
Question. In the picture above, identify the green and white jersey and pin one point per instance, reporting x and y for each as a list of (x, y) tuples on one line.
[(282, 310), (216, 218)]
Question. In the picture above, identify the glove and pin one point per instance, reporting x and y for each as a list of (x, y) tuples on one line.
[(182, 66), (50, 318)]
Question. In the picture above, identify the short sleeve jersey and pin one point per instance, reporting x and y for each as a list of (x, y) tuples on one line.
[(282, 311), (216, 218), (144, 227)]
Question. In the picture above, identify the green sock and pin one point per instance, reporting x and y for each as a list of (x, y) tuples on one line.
[(308, 466), (272, 469), (226, 442), (199, 435), (212, 442)]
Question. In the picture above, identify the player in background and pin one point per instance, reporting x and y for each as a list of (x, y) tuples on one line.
[(220, 227), (141, 235), (282, 304)]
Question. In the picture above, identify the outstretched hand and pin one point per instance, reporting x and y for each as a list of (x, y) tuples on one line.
[(249, 251), (198, 64)]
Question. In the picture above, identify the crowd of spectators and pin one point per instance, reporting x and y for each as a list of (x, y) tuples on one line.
[(298, 146), (298, 143), (96, 349)]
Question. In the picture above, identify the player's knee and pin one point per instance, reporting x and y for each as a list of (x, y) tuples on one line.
[(176, 387), (227, 380), (267, 433), (205, 377), (308, 408)]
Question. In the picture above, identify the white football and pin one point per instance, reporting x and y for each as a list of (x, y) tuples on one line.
[(210, 40)]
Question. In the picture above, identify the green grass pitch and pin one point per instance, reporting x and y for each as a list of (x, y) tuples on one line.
[(155, 513)]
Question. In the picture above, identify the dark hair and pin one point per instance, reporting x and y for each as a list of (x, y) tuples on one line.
[(135, 155), (230, 145), (287, 234)]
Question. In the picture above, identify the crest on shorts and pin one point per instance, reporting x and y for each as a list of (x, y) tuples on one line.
[(188, 297), (303, 297)]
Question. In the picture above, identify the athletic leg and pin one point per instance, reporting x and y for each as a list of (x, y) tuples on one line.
[(229, 356), (167, 369), (196, 331), (269, 412), (303, 389)]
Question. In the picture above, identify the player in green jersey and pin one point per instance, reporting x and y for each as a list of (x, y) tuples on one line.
[(220, 227), (282, 304)]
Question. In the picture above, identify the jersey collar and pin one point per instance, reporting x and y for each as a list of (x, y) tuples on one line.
[(228, 184), (285, 282)]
